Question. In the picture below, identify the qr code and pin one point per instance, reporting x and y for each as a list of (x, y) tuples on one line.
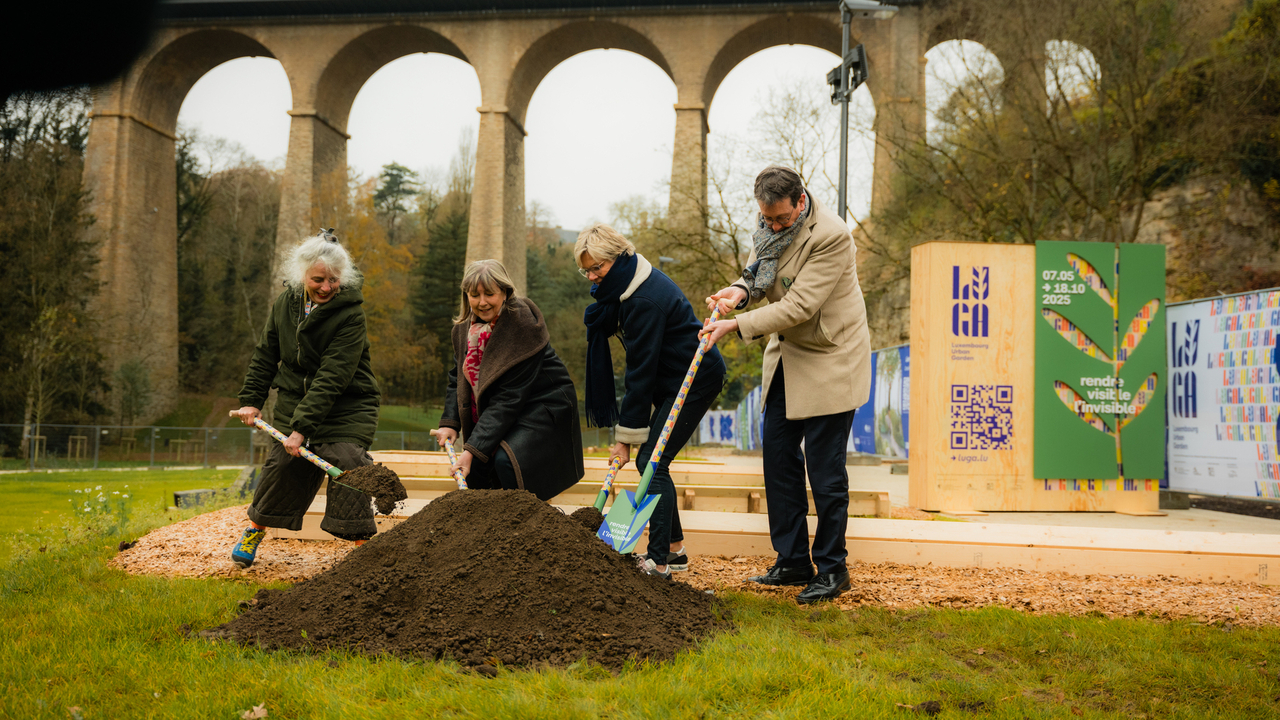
[(981, 417)]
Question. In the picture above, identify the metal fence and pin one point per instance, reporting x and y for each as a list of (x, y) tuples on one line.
[(56, 447)]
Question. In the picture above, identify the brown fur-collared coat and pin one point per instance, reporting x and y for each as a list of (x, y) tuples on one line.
[(527, 402)]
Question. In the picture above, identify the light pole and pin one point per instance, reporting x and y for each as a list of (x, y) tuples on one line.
[(848, 75)]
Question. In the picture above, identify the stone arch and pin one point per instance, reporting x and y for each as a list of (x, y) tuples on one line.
[(170, 73), (563, 43), (770, 32), (349, 68)]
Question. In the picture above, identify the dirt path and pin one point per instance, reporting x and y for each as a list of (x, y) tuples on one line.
[(200, 547)]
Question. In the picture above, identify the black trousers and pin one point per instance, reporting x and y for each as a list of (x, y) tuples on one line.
[(825, 441), (289, 484), (664, 525), (497, 474)]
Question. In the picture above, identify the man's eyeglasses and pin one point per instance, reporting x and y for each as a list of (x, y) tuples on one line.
[(593, 270), (784, 220)]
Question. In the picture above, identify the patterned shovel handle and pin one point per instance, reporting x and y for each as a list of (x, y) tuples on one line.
[(614, 466), (674, 415), (680, 396), (453, 460), (314, 458)]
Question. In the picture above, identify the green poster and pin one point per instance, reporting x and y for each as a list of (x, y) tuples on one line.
[(1100, 361)]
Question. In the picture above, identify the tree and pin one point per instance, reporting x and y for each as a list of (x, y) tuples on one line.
[(439, 277), (50, 366), (397, 186), (228, 208)]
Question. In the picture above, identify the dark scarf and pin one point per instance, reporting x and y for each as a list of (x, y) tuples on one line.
[(601, 319), (760, 275)]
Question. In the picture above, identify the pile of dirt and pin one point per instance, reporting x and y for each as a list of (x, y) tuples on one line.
[(589, 517), (483, 576), (380, 482)]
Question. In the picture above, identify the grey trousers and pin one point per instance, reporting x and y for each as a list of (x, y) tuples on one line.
[(289, 484)]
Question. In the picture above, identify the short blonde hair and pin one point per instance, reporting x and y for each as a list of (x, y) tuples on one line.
[(603, 242), (323, 249), (493, 276)]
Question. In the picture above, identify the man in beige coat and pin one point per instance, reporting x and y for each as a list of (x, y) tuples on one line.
[(817, 372)]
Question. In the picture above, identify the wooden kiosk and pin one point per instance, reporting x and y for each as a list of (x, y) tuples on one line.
[(972, 425)]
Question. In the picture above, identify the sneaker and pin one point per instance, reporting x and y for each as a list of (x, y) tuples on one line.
[(649, 567), (675, 563), (244, 551)]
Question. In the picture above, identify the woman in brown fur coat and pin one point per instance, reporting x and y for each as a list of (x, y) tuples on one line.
[(509, 394)]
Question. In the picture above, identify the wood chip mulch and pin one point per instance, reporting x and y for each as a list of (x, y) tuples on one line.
[(201, 547)]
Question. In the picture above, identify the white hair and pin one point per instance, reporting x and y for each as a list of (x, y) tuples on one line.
[(323, 249)]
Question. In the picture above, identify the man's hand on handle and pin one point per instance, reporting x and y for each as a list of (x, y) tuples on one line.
[(727, 300), (445, 436)]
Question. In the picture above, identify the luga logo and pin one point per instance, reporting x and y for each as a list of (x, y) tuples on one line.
[(969, 314), (1186, 350)]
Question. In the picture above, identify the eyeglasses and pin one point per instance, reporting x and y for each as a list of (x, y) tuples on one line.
[(783, 220), (594, 269)]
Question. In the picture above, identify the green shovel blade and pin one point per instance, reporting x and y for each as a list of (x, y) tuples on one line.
[(626, 521)]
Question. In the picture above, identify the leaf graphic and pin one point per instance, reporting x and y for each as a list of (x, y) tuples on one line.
[(981, 285), (1088, 274), (1072, 399), (1140, 399), (1074, 335), (1137, 329)]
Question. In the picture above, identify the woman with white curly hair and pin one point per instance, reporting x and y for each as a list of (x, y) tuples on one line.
[(315, 352)]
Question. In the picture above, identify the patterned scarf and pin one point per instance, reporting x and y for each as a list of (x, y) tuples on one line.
[(477, 338), (760, 275)]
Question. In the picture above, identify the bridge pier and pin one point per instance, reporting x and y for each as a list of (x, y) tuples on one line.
[(129, 173), (314, 169), (497, 227)]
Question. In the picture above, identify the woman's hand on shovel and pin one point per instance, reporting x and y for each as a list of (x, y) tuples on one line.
[(621, 451), (464, 464), (248, 414), (445, 436), (293, 444)]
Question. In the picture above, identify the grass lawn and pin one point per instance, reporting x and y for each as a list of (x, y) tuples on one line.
[(33, 501), (74, 633), (404, 418)]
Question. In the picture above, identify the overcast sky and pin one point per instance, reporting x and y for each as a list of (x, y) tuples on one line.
[(600, 124)]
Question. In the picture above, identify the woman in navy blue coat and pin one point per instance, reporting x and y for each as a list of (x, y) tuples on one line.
[(659, 331)]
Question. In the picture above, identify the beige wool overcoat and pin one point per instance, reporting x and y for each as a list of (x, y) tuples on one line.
[(815, 321)]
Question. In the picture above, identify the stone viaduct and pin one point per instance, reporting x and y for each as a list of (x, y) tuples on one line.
[(328, 49)]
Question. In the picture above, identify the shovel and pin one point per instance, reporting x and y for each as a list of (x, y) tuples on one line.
[(614, 466), (385, 502), (626, 519)]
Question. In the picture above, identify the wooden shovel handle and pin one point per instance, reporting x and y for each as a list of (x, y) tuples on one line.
[(314, 458)]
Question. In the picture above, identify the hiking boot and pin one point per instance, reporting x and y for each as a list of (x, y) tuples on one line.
[(244, 551), (649, 567)]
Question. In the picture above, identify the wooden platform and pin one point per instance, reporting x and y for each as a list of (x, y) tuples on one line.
[(702, 486), (1080, 551), (409, 463)]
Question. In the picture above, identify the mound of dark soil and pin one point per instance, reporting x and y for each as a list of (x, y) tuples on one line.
[(483, 576), (379, 481), (589, 517)]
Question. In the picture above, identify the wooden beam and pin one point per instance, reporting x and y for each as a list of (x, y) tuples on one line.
[(710, 498), (1198, 555)]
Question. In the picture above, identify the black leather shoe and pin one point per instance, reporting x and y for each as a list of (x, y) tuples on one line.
[(825, 586), (785, 576)]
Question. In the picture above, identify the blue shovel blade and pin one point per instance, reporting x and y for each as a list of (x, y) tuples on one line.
[(625, 522)]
